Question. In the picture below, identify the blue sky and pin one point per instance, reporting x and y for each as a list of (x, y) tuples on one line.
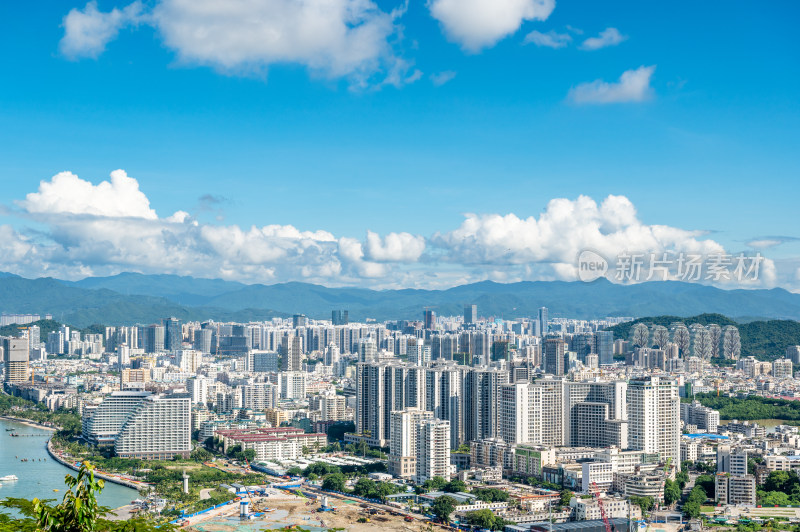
[(707, 144)]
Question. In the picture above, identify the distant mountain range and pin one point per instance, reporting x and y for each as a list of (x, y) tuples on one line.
[(137, 298)]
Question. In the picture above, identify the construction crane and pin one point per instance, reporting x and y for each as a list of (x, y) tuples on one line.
[(253, 505), (596, 494)]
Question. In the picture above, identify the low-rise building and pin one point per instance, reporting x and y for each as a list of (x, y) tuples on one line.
[(731, 489), (281, 443)]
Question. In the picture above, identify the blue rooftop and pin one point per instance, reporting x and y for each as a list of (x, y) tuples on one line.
[(709, 436)]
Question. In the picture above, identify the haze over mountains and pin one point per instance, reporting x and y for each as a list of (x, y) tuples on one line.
[(136, 298)]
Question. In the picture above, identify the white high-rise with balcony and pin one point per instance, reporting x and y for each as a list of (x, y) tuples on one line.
[(433, 450), (158, 428), (654, 416)]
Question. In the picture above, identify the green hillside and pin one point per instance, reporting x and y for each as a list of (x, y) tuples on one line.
[(765, 340), (82, 307)]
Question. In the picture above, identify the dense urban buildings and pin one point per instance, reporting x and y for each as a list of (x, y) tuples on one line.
[(461, 396)]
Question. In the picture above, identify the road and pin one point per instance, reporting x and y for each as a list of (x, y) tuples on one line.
[(205, 493), (379, 506)]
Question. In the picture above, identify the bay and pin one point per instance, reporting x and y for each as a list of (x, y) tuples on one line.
[(39, 477)]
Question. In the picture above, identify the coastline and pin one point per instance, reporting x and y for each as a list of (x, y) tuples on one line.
[(105, 476), (29, 423)]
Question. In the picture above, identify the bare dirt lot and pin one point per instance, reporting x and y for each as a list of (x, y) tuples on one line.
[(297, 512)]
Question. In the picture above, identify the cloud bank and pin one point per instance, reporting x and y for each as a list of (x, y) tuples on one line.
[(85, 229), (332, 38)]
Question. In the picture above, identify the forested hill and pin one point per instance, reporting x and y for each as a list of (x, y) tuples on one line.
[(751, 408), (765, 340)]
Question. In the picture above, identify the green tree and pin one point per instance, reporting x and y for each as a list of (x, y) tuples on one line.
[(233, 450), (645, 503), (334, 482), (454, 486), (780, 481), (566, 496), (443, 507), (682, 478), (79, 510), (707, 484), (752, 463), (485, 519), (201, 455), (434, 484), (364, 488), (696, 498), (672, 491), (490, 495), (773, 498)]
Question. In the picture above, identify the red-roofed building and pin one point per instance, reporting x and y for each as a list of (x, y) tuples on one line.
[(280, 443)]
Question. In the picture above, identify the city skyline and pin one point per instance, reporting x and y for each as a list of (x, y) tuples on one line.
[(518, 265), (559, 129)]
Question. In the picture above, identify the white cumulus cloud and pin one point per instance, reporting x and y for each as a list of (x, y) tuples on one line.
[(478, 24), (336, 37), (67, 193), (85, 229), (607, 37), (332, 38), (521, 246), (551, 39), (88, 30), (110, 227), (632, 86), (395, 247)]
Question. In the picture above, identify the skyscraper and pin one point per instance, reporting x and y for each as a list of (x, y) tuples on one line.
[(299, 320), (481, 396), (202, 340), (382, 388), (403, 441), (443, 397), (520, 408), (595, 414), (654, 416), (433, 450), (291, 353), (553, 356), (173, 334), (470, 314), (340, 317), (154, 339), (429, 319), (543, 319), (15, 357), (604, 346), (367, 350)]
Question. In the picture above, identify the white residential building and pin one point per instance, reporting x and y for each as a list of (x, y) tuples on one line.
[(403, 441), (158, 428), (433, 450), (654, 416)]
